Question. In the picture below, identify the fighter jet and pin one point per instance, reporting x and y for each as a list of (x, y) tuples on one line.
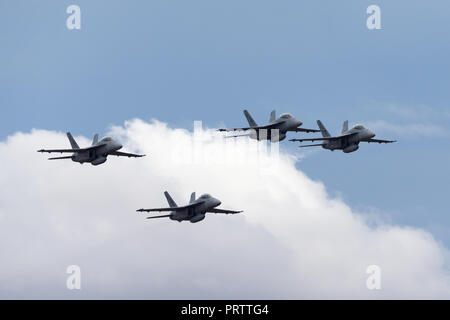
[(194, 212), (348, 141), (95, 154), (274, 131)]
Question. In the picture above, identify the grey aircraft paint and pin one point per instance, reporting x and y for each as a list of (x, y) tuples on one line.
[(274, 131), (96, 154), (348, 141), (194, 212)]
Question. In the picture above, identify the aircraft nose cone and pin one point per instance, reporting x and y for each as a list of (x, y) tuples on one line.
[(218, 203)]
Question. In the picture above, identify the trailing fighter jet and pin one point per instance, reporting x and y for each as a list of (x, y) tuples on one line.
[(194, 212), (348, 141), (95, 154), (274, 131)]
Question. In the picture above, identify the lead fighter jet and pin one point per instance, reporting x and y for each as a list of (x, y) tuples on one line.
[(274, 131), (194, 212), (348, 141), (95, 154)]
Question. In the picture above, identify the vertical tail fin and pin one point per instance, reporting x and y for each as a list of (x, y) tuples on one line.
[(324, 131), (250, 120), (192, 197), (172, 203), (73, 143), (345, 126), (95, 141), (273, 115)]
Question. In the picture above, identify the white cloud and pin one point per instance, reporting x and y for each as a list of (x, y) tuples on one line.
[(293, 241), (408, 121), (418, 112), (428, 130)]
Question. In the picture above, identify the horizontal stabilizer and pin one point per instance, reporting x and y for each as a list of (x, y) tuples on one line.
[(60, 158), (164, 216), (238, 135), (312, 145)]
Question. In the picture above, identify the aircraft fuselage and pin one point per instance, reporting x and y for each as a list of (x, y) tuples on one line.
[(197, 213), (278, 132), (349, 143), (96, 156)]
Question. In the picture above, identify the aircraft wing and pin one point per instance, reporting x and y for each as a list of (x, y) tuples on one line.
[(223, 211), (172, 208), (304, 130), (71, 150), (60, 150), (324, 138), (268, 127), (124, 154), (381, 141)]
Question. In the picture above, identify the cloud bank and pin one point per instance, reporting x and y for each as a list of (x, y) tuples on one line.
[(292, 242)]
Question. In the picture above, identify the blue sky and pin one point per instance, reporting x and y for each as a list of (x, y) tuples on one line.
[(180, 61)]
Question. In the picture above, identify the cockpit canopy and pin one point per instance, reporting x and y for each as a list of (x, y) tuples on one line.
[(205, 196), (285, 116), (107, 139), (359, 127)]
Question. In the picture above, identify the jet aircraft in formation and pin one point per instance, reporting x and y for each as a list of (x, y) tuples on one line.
[(96, 154), (348, 141), (194, 212)]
